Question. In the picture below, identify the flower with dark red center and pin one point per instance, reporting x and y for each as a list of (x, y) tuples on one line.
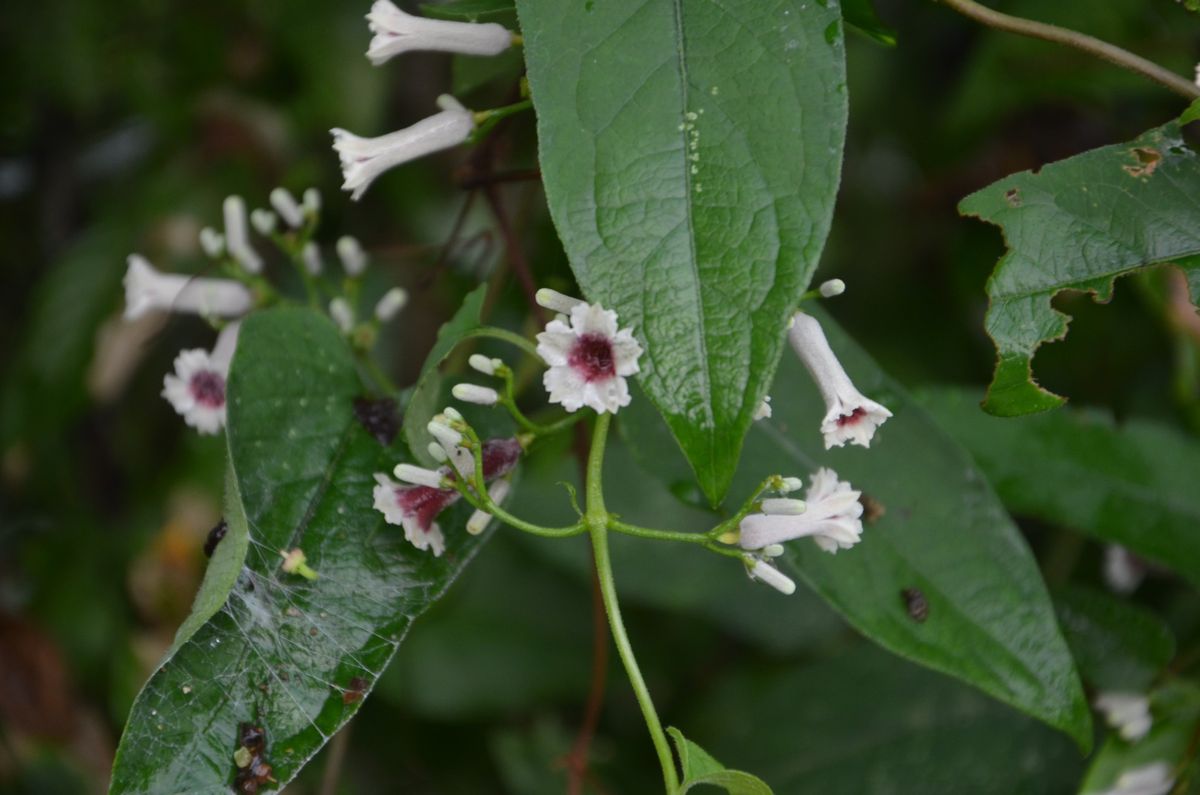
[(416, 507), (849, 416), (589, 358), (197, 387)]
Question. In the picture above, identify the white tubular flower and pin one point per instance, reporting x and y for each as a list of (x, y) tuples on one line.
[(832, 517), (285, 204), (447, 437), (849, 416), (263, 221), (237, 239), (212, 242), (147, 289), (479, 520), (556, 301), (310, 255), (589, 359), (1128, 713), (1155, 778), (312, 201), (418, 476), (763, 410), (473, 393), (397, 32), (831, 288), (1123, 571), (766, 573), (482, 364), (414, 508), (342, 314), (354, 259), (788, 485), (197, 387), (390, 305), (364, 159)]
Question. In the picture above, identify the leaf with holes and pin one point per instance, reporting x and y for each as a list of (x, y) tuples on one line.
[(1078, 225), (691, 152), (292, 655)]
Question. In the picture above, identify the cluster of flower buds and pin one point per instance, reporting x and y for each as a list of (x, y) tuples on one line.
[(395, 32), (196, 388), (830, 514), (421, 494)]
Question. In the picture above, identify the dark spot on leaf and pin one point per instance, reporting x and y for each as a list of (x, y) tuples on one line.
[(253, 770), (379, 417), (1147, 161), (214, 537), (1013, 197), (354, 690), (312, 631), (873, 509), (916, 604)]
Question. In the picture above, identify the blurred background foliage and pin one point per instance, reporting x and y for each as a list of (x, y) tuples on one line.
[(123, 124)]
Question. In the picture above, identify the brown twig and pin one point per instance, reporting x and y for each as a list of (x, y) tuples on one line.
[(470, 181), (1079, 41), (513, 251), (337, 757)]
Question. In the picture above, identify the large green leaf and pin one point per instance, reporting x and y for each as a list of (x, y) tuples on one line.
[(1079, 224), (1116, 644), (1133, 484), (691, 152), (291, 655), (943, 532), (864, 722)]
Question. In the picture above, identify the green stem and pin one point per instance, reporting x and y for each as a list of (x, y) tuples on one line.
[(380, 377), (509, 337), (1079, 41), (659, 535), (597, 521)]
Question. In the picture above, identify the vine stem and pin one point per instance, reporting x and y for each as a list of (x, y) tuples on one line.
[(597, 522), (1079, 41)]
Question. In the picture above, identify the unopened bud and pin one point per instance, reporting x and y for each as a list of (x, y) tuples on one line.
[(832, 287), (212, 242), (353, 258), (391, 304), (263, 221), (418, 476), (312, 201), (342, 314), (473, 393), (483, 364), (556, 301), (285, 204), (310, 255)]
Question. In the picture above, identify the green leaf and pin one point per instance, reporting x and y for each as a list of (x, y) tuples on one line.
[(864, 722), (1079, 224), (699, 768), (943, 532), (1172, 740), (1117, 645), (1132, 484), (424, 402), (291, 655), (501, 11), (692, 190), (861, 15)]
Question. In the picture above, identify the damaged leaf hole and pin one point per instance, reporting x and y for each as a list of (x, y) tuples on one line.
[(1013, 197), (1148, 160)]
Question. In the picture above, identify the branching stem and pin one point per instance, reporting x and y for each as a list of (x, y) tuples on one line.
[(1079, 41)]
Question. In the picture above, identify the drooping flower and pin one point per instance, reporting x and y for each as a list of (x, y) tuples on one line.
[(397, 32), (1155, 778), (415, 504), (197, 387), (364, 159), (147, 289), (1128, 713), (831, 515), (849, 417), (589, 358)]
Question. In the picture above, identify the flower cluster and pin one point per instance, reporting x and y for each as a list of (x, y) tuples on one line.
[(196, 388), (395, 32)]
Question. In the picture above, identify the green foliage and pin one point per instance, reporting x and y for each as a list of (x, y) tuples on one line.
[(861, 15), (1132, 484), (691, 190), (293, 655), (861, 720), (700, 769), (1078, 225), (1117, 645), (942, 531)]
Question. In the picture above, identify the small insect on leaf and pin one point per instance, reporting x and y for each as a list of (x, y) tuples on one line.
[(916, 604), (214, 537)]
